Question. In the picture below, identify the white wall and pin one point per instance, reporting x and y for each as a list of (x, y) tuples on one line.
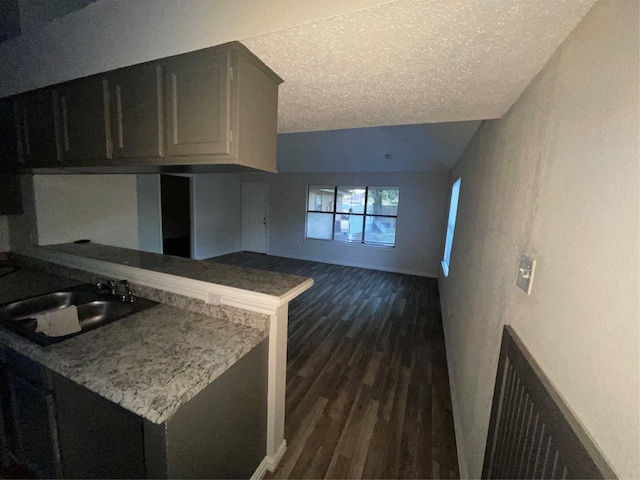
[(23, 229), (102, 208), (4, 233), (421, 223), (556, 179), (149, 213), (110, 34), (217, 214), (35, 14)]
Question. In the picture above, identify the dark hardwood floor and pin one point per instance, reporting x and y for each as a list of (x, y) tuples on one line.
[(367, 383)]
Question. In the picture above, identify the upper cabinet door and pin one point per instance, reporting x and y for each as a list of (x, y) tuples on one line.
[(136, 98), (197, 103), (85, 119), (8, 135), (37, 128)]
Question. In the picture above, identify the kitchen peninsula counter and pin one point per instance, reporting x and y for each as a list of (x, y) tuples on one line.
[(212, 351), (258, 281), (150, 363)]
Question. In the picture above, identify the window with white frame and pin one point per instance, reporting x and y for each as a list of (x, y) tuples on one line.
[(366, 215), (451, 226)]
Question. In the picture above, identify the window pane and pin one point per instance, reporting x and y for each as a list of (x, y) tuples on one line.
[(348, 228), (351, 199), (380, 230), (319, 225), (321, 199), (451, 225), (383, 200)]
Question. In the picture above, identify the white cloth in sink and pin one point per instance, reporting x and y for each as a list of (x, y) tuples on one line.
[(59, 322)]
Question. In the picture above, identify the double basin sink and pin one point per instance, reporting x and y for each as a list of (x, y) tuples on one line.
[(95, 309)]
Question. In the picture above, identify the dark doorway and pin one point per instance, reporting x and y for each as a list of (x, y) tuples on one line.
[(176, 215)]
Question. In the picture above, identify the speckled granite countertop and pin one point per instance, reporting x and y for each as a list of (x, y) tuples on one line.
[(155, 361), (269, 283), (26, 282), (151, 362)]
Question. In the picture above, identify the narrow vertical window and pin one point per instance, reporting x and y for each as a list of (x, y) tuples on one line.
[(451, 226)]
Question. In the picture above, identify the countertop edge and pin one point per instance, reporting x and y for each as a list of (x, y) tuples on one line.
[(208, 292), (52, 360)]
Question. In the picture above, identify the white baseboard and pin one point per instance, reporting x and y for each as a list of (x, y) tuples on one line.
[(274, 461), (270, 463), (462, 457), (217, 254), (381, 268), (261, 470), (455, 404)]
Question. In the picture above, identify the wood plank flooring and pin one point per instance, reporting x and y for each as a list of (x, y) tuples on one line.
[(367, 383)]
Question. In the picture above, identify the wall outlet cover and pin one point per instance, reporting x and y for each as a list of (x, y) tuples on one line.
[(526, 270), (214, 299)]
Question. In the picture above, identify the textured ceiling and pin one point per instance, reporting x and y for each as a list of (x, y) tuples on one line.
[(414, 61), (401, 148)]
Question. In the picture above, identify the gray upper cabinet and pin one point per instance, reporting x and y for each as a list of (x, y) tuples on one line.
[(198, 104), (137, 112), (8, 135), (85, 121), (37, 128), (221, 107), (213, 110)]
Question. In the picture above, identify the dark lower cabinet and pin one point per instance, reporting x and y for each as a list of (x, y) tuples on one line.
[(28, 413), (7, 432), (33, 411), (59, 429), (97, 438), (219, 433)]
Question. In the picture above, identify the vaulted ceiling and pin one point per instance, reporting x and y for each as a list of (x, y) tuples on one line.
[(413, 61), (401, 148), (347, 64)]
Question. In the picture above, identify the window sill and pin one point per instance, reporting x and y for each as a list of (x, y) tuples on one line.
[(445, 268), (348, 244)]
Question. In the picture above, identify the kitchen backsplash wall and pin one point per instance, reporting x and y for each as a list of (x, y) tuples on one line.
[(64, 208), (102, 208)]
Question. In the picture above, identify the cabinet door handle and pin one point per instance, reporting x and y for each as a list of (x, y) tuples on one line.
[(119, 114), (106, 106), (65, 127), (53, 431), (56, 125)]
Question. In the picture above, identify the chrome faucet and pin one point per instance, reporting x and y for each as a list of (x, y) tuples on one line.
[(120, 289), (108, 285), (126, 296)]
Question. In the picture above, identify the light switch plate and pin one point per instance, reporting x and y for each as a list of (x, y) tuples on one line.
[(525, 273)]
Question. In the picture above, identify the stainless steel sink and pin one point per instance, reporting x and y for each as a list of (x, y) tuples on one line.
[(25, 308), (94, 310)]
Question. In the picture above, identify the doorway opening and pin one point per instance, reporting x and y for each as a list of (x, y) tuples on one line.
[(175, 201)]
